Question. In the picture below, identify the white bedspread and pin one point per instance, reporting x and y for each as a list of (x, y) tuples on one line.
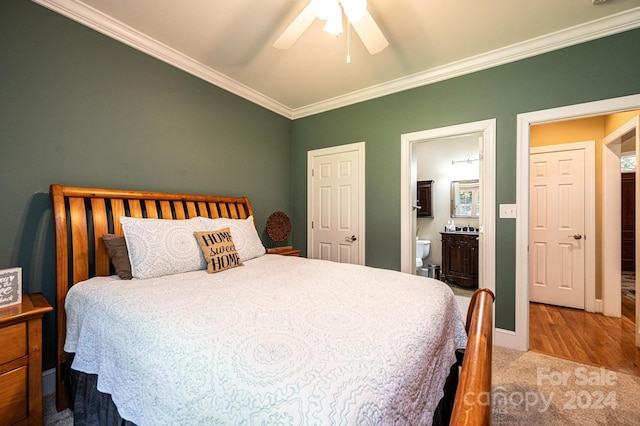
[(281, 340)]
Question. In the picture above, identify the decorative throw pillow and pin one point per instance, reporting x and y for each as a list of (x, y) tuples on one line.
[(243, 231), (117, 250), (218, 250), (159, 247)]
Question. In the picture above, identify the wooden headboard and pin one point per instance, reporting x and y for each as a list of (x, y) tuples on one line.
[(83, 215)]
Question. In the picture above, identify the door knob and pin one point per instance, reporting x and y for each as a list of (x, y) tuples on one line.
[(577, 237), (350, 239)]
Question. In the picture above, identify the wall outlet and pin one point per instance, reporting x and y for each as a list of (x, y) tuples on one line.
[(507, 211)]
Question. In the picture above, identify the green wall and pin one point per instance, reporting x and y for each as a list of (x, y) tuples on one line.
[(591, 71), (78, 108)]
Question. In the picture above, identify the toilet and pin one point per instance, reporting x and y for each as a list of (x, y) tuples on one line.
[(423, 247)]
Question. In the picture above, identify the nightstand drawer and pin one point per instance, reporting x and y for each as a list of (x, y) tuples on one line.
[(13, 396), (14, 342), (21, 361)]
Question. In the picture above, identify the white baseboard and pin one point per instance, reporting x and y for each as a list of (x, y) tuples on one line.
[(49, 382), (598, 305), (507, 339)]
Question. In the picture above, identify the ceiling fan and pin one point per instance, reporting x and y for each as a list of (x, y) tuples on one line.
[(331, 12)]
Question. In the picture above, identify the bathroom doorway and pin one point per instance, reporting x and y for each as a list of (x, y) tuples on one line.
[(451, 165), (483, 133)]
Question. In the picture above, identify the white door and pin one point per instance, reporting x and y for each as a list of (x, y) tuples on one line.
[(557, 224), (336, 204)]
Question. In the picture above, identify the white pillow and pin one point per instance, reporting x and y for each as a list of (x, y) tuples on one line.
[(244, 234), (160, 247)]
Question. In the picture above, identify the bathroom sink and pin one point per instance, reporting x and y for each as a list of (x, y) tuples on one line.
[(462, 232)]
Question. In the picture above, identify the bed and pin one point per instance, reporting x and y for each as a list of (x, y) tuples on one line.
[(277, 339)]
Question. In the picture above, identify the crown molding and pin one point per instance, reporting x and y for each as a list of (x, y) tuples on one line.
[(603, 27), (96, 20)]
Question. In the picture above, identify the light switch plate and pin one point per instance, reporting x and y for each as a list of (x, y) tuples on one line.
[(507, 211)]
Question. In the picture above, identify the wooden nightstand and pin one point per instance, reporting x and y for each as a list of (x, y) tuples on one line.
[(21, 361), (284, 251)]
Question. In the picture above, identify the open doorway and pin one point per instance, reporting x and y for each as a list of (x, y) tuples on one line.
[(594, 338), (628, 161), (486, 159), (446, 167), (604, 191), (625, 138)]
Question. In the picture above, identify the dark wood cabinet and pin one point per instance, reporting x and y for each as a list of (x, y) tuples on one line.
[(460, 258), (425, 199), (628, 221)]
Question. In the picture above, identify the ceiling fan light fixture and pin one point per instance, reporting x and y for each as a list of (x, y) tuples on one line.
[(354, 9), (331, 11), (322, 8), (334, 21)]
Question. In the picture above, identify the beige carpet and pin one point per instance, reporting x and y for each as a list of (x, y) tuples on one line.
[(51, 417), (531, 388)]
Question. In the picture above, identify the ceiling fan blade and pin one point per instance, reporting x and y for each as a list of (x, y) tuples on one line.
[(295, 29), (370, 34)]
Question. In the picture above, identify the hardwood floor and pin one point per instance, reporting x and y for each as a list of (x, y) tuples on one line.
[(629, 308), (584, 337)]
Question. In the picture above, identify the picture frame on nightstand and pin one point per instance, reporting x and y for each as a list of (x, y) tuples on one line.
[(10, 287)]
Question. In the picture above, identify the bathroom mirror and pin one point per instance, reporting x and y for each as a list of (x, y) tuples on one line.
[(465, 198)]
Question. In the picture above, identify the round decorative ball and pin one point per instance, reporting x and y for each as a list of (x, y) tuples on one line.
[(278, 226)]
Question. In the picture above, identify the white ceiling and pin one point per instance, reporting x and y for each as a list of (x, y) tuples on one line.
[(229, 43)]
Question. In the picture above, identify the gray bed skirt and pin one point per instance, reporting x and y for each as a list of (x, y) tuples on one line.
[(92, 408)]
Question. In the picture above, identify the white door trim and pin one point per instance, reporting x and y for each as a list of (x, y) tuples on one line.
[(487, 179), (611, 221), (589, 148), (520, 338), (360, 148)]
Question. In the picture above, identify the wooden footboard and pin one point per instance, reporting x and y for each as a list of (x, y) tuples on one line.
[(472, 405)]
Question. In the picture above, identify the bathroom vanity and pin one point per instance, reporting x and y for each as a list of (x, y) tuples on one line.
[(460, 258)]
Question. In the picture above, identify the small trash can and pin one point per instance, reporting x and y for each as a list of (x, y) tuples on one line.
[(433, 271)]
